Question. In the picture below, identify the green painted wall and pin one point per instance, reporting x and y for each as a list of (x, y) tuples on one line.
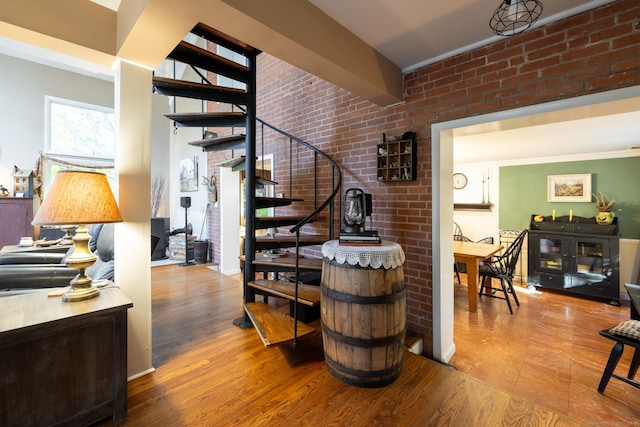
[(523, 191)]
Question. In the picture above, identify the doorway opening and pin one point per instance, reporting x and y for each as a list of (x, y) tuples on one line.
[(443, 138)]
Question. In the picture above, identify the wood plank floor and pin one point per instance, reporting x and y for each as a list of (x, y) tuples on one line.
[(549, 351), (210, 372)]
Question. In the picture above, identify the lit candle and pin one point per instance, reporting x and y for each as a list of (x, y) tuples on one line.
[(553, 215), (571, 215)]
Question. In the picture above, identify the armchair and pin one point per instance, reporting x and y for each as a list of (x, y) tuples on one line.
[(30, 273)]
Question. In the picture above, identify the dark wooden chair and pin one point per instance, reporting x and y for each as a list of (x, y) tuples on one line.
[(459, 237), (626, 333), (502, 267)]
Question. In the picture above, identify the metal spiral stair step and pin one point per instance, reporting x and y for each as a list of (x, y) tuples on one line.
[(222, 143), (276, 242), (190, 54), (275, 326), (307, 294), (272, 202), (195, 90), (225, 119)]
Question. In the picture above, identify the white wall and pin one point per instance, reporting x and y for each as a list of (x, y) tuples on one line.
[(180, 149), (482, 187), (22, 116)]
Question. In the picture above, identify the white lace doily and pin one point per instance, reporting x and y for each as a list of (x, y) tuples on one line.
[(388, 255)]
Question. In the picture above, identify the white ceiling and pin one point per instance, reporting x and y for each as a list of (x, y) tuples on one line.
[(414, 33)]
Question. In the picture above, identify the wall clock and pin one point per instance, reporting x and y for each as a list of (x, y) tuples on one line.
[(459, 181)]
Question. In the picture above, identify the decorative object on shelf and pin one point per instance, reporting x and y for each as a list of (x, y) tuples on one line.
[(22, 182), (515, 16), (459, 181), (538, 218), (3, 191), (79, 197), (569, 188), (212, 188), (606, 209)]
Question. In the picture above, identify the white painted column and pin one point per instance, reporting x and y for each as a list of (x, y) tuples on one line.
[(133, 100)]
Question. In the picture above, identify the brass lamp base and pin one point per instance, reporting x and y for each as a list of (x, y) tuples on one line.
[(81, 258), (80, 294), (67, 239)]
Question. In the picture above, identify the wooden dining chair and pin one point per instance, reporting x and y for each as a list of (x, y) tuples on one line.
[(502, 267), (459, 267), (624, 334)]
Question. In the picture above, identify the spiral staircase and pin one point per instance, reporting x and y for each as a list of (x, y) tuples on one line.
[(239, 127)]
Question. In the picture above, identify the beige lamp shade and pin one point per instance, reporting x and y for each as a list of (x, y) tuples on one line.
[(78, 197)]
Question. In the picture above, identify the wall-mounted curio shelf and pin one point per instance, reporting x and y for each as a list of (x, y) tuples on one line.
[(397, 160)]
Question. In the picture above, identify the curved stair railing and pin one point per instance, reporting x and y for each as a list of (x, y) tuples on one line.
[(196, 58)]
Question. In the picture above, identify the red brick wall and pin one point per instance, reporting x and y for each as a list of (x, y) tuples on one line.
[(592, 52)]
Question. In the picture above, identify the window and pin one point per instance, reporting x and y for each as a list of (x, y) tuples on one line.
[(78, 136)]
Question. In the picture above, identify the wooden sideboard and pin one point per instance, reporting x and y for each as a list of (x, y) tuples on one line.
[(16, 214), (63, 363)]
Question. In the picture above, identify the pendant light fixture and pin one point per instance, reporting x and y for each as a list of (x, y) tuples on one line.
[(515, 16)]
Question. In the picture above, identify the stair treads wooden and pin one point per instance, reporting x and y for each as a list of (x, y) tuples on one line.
[(230, 163), (194, 55), (231, 142), (278, 221), (307, 294), (223, 39), (195, 90), (287, 241), (274, 326), (272, 202), (225, 119), (285, 263), (292, 238)]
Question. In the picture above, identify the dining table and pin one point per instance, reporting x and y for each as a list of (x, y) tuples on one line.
[(471, 254)]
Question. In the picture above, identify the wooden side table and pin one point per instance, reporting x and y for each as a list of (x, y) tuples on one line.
[(63, 363)]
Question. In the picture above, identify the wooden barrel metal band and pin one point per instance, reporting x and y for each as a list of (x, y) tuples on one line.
[(363, 342), (390, 373), (377, 299)]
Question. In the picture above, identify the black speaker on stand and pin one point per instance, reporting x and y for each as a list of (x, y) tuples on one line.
[(185, 202)]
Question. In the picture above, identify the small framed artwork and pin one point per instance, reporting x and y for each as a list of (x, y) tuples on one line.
[(189, 174), (569, 188)]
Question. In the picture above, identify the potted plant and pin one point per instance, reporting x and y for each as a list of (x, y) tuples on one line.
[(606, 209)]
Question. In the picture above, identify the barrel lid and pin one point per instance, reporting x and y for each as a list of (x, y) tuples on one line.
[(387, 255)]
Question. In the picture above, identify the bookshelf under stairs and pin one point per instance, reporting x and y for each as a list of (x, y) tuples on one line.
[(238, 128)]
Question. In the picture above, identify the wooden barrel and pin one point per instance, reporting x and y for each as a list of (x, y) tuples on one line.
[(363, 314)]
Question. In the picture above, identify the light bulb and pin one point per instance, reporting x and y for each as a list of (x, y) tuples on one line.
[(515, 12)]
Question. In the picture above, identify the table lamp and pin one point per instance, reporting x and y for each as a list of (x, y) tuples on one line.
[(79, 198)]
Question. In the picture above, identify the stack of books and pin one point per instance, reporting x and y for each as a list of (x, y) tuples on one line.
[(364, 238)]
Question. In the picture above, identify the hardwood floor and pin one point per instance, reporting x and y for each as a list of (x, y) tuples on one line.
[(210, 372), (549, 351)]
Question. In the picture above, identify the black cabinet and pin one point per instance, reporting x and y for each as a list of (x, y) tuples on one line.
[(160, 229), (577, 257)]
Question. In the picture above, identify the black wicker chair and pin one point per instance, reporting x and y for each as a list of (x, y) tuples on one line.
[(502, 267)]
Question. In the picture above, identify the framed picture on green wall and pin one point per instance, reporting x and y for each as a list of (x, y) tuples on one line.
[(569, 188)]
